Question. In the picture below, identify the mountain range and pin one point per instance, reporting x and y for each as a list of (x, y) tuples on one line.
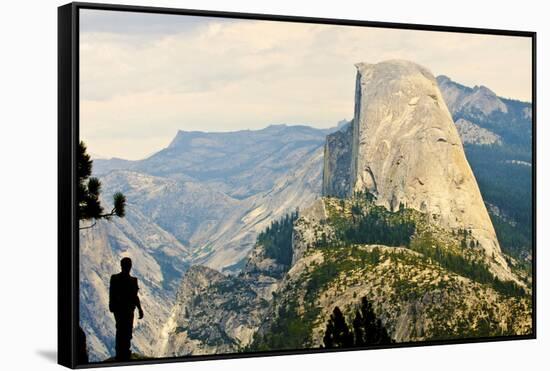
[(199, 205)]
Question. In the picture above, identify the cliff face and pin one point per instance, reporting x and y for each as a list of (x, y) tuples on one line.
[(405, 149), (471, 133), (216, 313), (337, 162), (213, 314)]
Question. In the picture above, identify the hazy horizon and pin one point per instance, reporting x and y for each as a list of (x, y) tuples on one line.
[(146, 76), (97, 156)]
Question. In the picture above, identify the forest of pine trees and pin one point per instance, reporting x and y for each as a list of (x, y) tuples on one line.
[(277, 239), (377, 225), (366, 329), (475, 270)]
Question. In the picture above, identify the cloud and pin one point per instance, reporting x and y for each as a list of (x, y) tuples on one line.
[(215, 75), (148, 25)]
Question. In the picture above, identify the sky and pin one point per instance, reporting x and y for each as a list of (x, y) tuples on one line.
[(143, 77)]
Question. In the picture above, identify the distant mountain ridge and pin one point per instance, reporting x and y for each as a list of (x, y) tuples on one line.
[(238, 179), (226, 159)]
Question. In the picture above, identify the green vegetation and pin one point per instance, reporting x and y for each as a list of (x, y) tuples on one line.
[(337, 261), (378, 226), (515, 240), (476, 270), (367, 328), (290, 330), (277, 239), (89, 188), (359, 221), (371, 224), (353, 223), (509, 187)]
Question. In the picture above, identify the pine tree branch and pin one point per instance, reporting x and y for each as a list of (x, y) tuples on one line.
[(102, 216), (89, 226), (112, 213)]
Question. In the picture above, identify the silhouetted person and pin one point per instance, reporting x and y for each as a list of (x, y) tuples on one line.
[(123, 301)]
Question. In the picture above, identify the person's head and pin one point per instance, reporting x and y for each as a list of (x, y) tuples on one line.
[(126, 265)]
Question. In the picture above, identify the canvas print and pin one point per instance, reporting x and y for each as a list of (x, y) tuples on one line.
[(251, 186)]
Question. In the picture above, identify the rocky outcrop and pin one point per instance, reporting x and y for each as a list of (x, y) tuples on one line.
[(471, 133), (214, 314), (217, 313), (416, 296), (406, 150), (419, 302), (337, 162), (309, 229), (262, 272), (478, 99)]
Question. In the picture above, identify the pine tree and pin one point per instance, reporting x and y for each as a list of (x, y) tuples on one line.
[(358, 333), (368, 329), (337, 334), (89, 189)]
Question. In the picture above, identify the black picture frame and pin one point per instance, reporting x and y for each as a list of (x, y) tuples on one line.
[(68, 139)]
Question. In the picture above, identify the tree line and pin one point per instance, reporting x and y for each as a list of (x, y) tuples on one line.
[(377, 226), (277, 239)]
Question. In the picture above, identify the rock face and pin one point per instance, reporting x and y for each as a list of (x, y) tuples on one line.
[(406, 149), (263, 272), (478, 98), (214, 314), (471, 133), (308, 229), (337, 162)]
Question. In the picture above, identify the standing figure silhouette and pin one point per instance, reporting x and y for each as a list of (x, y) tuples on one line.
[(123, 301)]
